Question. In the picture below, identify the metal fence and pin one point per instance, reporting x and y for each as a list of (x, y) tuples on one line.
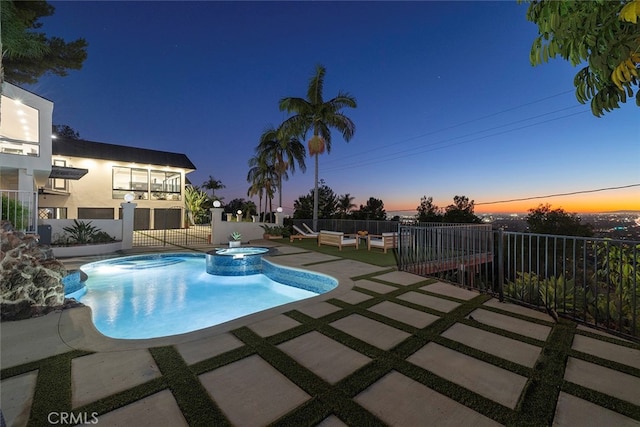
[(20, 208), (169, 232), (590, 280), (350, 226)]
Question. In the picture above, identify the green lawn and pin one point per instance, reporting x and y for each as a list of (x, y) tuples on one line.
[(374, 256)]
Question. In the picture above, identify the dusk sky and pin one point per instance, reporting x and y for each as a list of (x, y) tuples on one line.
[(448, 102)]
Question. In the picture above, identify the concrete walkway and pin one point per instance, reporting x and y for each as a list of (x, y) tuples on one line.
[(392, 348)]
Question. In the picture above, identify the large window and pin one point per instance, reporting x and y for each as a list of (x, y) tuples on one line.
[(52, 213), (58, 183), (130, 180), (165, 185), (19, 128)]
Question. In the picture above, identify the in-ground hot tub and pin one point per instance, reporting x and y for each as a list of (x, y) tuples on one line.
[(235, 261)]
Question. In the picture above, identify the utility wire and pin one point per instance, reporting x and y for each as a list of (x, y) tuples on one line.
[(559, 194)]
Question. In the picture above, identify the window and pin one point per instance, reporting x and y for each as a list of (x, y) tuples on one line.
[(95, 213), (57, 183), (52, 213), (165, 185), (130, 180), (19, 128)]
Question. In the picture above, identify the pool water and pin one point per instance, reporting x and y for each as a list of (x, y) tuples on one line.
[(156, 297)]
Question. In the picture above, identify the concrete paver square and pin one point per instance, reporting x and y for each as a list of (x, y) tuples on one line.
[(605, 380), (325, 357), (450, 291), (251, 392), (354, 297), (400, 401), (506, 348), (410, 316), (16, 398), (318, 310), (159, 409), (518, 309), (350, 267), (490, 381), (196, 351), (300, 259), (430, 301), (617, 353), (375, 286), (102, 374), (370, 331), (273, 325), (511, 324), (401, 278), (599, 332), (573, 411)]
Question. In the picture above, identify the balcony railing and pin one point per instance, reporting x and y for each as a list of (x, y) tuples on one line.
[(590, 280)]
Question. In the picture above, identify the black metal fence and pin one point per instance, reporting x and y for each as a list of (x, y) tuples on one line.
[(170, 230), (594, 281)]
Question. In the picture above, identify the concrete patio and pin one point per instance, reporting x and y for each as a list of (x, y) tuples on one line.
[(385, 348)]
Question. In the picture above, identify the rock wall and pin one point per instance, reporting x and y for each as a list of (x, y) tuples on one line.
[(30, 276)]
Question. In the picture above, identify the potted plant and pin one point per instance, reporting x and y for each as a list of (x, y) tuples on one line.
[(236, 240)]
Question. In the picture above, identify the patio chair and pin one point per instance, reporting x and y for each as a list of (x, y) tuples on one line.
[(337, 238), (383, 241), (300, 234)]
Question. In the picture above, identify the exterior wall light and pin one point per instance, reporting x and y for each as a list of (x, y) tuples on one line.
[(129, 197), (279, 209), (216, 203)]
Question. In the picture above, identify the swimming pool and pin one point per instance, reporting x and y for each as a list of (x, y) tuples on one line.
[(169, 294)]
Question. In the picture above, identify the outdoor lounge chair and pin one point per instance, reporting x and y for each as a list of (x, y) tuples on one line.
[(337, 238), (309, 230), (302, 234), (383, 241)]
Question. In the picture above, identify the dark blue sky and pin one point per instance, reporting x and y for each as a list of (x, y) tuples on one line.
[(448, 103)]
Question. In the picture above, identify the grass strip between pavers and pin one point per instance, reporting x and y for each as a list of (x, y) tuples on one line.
[(192, 398), (53, 387), (620, 406), (538, 402)]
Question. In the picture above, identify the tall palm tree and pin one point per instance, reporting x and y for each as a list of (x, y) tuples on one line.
[(320, 117), (213, 185), (283, 151), (345, 204)]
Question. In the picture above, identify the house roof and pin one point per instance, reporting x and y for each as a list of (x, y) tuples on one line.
[(100, 150)]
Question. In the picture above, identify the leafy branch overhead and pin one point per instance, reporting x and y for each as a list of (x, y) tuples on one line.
[(604, 34)]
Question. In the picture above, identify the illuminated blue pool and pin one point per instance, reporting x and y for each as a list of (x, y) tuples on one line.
[(168, 294)]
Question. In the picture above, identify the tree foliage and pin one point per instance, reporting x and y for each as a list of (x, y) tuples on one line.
[(461, 211), (604, 34), (544, 220), (65, 131), (373, 210), (427, 211), (327, 203), (28, 54)]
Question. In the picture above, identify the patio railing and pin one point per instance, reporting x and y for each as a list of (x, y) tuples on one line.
[(594, 281)]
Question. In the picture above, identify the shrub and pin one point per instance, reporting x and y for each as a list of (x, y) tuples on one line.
[(14, 212)]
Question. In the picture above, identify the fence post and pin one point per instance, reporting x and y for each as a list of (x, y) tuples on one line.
[(500, 265), (128, 210)]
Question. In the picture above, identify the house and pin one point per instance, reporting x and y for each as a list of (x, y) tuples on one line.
[(89, 180), (58, 178)]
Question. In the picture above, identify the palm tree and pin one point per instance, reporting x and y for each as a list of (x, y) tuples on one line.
[(213, 185), (283, 151), (345, 204), (319, 116), (262, 175)]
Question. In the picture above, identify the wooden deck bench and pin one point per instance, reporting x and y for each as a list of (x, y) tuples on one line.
[(337, 238), (383, 241)]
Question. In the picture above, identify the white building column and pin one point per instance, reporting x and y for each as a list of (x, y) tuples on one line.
[(128, 210), (216, 224)]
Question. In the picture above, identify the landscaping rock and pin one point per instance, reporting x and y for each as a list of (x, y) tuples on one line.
[(30, 276)]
